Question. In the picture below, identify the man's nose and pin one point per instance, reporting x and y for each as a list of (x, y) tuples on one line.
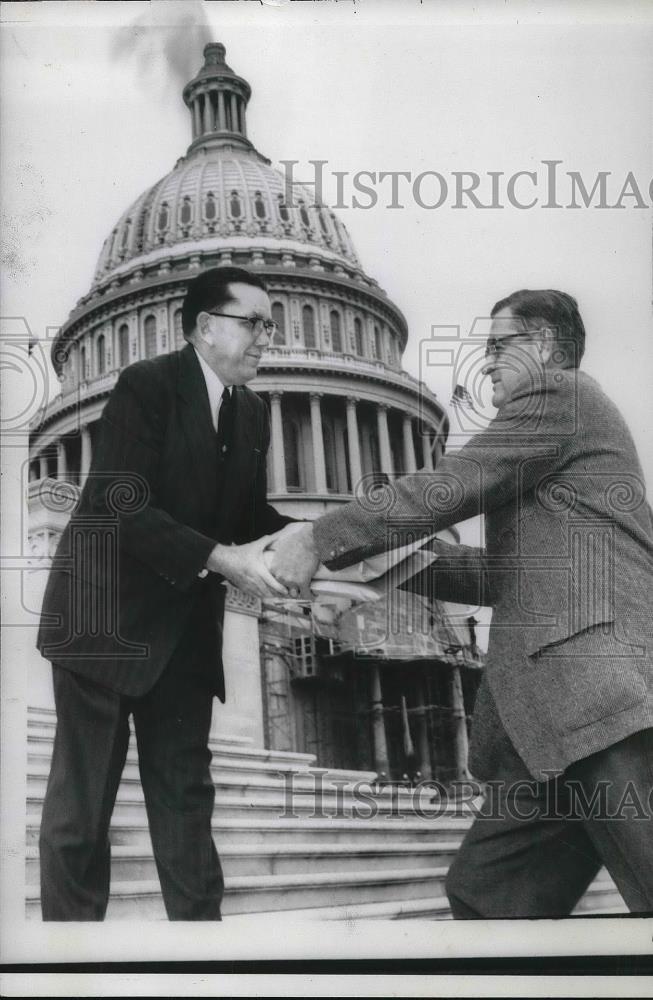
[(490, 365), (262, 338)]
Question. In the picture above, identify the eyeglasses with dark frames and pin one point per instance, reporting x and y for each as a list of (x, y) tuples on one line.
[(494, 345), (255, 323)]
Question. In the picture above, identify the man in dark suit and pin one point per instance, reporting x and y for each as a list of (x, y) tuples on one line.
[(174, 506), (563, 722)]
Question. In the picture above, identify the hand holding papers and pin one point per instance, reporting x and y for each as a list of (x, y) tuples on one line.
[(330, 592)]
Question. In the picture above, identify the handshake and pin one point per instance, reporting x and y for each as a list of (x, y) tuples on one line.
[(278, 565)]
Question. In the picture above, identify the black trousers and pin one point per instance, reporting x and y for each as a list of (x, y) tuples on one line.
[(172, 723), (536, 846)]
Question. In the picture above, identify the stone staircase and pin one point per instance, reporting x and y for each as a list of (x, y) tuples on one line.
[(291, 837)]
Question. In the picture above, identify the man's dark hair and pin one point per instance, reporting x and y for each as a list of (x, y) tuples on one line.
[(553, 309), (210, 291)]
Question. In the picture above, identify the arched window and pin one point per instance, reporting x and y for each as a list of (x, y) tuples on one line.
[(279, 317), (210, 207), (308, 323), (186, 213), (303, 215), (164, 217), (358, 336), (378, 345), (234, 205), (149, 330), (123, 345), (178, 329), (336, 335), (284, 214), (291, 442), (259, 206), (100, 355)]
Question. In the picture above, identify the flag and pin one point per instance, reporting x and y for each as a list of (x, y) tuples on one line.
[(461, 398)]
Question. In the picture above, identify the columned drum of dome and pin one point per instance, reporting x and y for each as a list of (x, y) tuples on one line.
[(341, 406)]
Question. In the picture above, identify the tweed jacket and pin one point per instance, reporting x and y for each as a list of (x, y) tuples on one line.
[(125, 578), (567, 565)]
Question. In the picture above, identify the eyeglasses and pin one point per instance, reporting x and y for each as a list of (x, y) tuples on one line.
[(255, 323), (494, 345)]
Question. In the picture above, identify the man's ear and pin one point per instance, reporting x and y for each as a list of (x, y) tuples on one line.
[(203, 327)]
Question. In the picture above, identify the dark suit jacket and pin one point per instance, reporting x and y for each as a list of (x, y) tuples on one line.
[(124, 584), (568, 566)]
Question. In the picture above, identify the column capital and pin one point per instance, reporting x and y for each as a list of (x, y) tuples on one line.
[(316, 395), (276, 394), (353, 400)]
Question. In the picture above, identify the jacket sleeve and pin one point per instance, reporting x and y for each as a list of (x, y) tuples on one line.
[(123, 481), (523, 443), (459, 574)]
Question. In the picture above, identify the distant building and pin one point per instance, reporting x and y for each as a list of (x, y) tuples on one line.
[(386, 689)]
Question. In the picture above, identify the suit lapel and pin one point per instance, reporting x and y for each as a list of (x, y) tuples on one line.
[(197, 423)]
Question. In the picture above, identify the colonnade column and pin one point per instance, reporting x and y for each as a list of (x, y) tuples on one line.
[(235, 127), (62, 466), (85, 463), (222, 112), (384, 438), (461, 739), (278, 453), (197, 118), (355, 465), (208, 113), (428, 455), (410, 462), (380, 744), (318, 443), (43, 466)]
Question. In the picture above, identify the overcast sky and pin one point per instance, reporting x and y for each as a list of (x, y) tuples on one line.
[(92, 115)]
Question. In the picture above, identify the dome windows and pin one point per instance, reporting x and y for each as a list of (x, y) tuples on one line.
[(279, 317), (163, 218), (235, 205), (149, 336), (358, 337), (308, 323), (123, 345), (186, 212), (284, 214), (100, 355), (303, 215), (210, 207), (336, 331), (378, 344), (259, 206)]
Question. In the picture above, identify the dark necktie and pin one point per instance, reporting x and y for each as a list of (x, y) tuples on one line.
[(225, 424)]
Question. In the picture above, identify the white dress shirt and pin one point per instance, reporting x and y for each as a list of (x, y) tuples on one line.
[(214, 387)]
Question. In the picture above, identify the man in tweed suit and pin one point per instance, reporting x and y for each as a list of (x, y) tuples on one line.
[(174, 505), (563, 724)]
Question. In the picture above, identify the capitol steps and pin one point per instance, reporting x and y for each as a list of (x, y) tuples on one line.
[(291, 838)]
